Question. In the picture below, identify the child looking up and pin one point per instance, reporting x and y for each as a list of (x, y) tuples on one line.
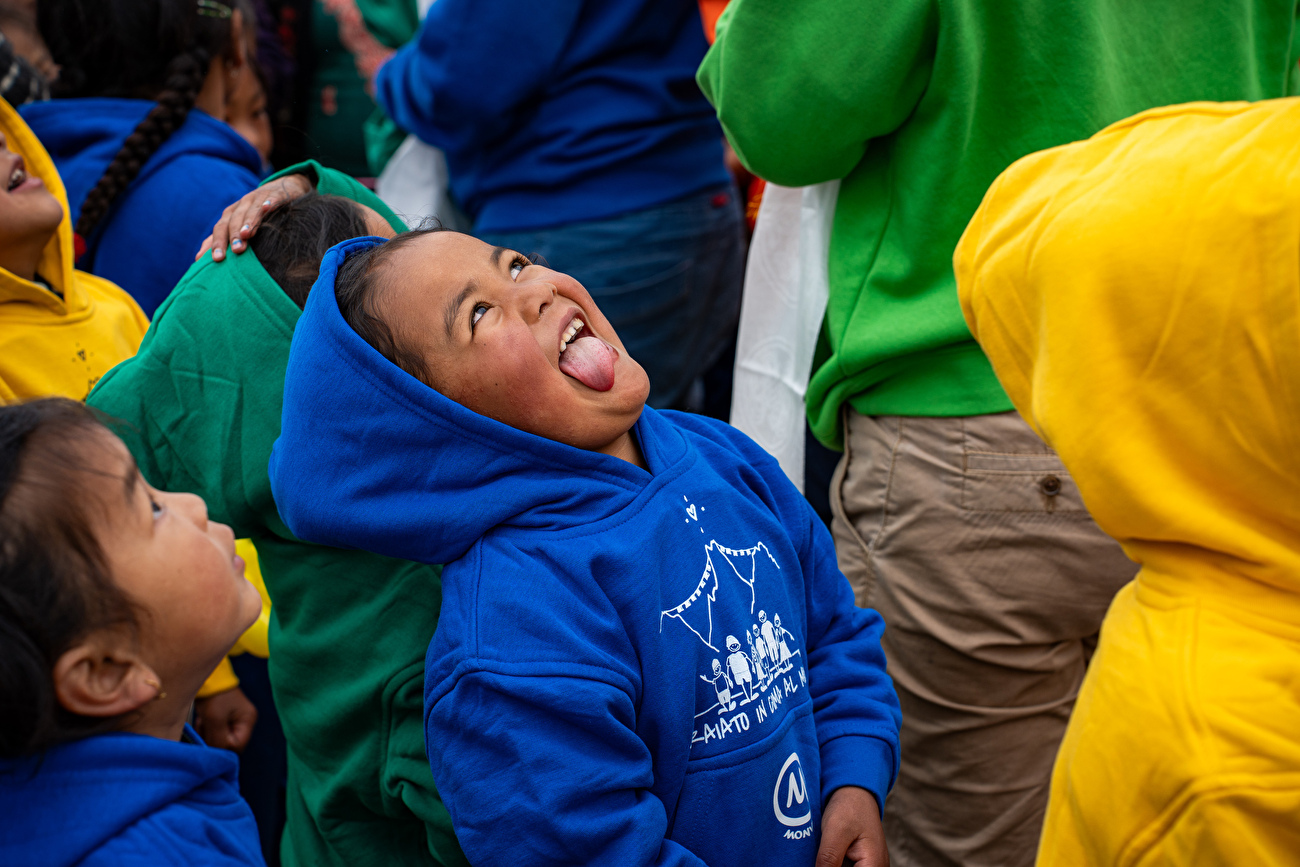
[(116, 601), (60, 329), (201, 402), (589, 696)]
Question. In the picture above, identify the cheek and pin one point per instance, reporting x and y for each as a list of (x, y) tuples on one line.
[(508, 378), (210, 603)]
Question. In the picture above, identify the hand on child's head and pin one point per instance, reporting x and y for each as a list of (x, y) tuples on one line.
[(504, 337), (148, 594)]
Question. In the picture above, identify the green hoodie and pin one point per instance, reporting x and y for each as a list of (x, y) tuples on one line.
[(349, 630), (918, 105)]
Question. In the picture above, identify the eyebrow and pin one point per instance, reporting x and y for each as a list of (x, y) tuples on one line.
[(453, 307)]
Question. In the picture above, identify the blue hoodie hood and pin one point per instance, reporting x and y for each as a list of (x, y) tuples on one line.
[(150, 235), (631, 667), (486, 474), (126, 799)]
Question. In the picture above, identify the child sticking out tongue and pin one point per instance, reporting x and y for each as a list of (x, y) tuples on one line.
[(589, 360)]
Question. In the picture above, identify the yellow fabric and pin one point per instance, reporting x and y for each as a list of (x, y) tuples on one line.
[(221, 680), (51, 345), (254, 640), (1139, 296)]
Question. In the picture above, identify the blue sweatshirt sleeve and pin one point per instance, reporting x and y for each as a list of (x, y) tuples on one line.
[(559, 773), (472, 66)]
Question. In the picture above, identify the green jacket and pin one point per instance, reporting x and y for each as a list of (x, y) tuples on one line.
[(349, 630), (918, 105)]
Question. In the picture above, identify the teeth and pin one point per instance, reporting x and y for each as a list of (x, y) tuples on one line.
[(17, 178), (574, 327)]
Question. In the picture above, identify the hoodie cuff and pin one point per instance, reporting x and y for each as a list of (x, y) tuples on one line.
[(858, 760)]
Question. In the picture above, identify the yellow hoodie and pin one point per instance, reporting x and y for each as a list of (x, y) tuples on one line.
[(1138, 294), (51, 345)]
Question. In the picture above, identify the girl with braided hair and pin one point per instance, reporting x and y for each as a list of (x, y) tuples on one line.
[(135, 130)]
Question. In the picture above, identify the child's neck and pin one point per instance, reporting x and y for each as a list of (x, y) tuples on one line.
[(21, 259), (625, 447)]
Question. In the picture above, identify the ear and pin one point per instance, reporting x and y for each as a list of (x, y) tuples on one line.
[(103, 677)]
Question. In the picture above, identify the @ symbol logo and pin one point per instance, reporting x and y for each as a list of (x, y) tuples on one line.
[(790, 797)]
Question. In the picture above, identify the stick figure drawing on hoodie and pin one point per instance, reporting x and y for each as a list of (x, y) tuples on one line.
[(451, 402)]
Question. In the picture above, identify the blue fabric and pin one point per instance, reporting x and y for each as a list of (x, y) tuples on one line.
[(631, 667), (668, 278), (559, 112), (125, 800), (148, 239)]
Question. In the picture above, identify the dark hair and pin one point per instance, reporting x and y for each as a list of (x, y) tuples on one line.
[(141, 49), (295, 236), (357, 289), (55, 586)]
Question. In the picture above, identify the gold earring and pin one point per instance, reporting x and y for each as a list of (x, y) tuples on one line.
[(149, 681)]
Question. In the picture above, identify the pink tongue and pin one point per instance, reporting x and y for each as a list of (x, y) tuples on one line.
[(590, 360)]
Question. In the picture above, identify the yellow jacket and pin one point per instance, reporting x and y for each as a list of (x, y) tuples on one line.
[(51, 345), (1139, 296)]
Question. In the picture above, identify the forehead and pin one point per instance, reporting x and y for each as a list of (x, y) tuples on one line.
[(435, 266)]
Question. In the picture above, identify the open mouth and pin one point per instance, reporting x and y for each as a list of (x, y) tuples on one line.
[(585, 357), (17, 176), (569, 333)]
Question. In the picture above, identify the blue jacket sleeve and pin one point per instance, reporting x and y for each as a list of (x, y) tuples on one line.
[(559, 773), (474, 65)]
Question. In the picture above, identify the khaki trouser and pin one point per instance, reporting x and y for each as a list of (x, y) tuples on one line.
[(969, 537)]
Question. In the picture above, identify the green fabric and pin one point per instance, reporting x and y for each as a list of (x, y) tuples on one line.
[(383, 138), (354, 136), (330, 182), (349, 630), (918, 105), (391, 22)]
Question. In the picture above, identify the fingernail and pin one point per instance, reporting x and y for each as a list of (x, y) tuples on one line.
[(236, 243), (266, 204), (218, 255)]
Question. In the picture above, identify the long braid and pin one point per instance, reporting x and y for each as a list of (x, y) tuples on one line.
[(183, 79)]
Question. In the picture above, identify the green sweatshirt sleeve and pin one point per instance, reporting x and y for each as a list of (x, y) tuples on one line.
[(331, 182), (802, 86)]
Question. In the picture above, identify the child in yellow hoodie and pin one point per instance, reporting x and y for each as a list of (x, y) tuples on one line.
[(60, 329), (1138, 294)]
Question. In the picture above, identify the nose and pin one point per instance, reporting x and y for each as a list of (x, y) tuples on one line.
[(193, 508), (533, 297)]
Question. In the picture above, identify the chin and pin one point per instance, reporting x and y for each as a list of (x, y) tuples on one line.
[(637, 384)]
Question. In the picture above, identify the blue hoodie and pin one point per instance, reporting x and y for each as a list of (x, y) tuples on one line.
[(631, 667), (559, 112), (148, 239), (126, 800)]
